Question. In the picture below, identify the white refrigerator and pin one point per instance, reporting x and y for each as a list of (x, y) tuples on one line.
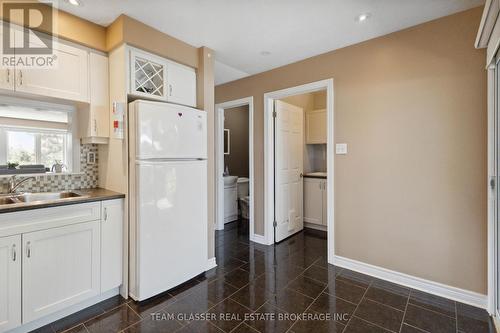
[(168, 196)]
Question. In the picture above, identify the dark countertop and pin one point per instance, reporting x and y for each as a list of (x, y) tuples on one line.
[(321, 175), (88, 195)]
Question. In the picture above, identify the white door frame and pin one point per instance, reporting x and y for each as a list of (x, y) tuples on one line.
[(219, 160), (269, 99)]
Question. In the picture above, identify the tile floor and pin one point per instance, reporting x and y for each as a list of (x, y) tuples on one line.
[(253, 282)]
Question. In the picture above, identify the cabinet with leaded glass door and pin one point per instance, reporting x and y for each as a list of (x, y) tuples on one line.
[(148, 75)]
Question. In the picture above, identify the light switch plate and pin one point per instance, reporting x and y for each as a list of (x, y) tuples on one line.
[(341, 148)]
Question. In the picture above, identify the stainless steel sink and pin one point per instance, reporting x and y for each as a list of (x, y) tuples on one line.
[(46, 196)]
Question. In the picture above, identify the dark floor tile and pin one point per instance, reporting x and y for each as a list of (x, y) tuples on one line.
[(113, 321), (389, 294), (200, 327), (260, 321), (340, 309), (218, 290), (380, 315), (112, 302), (472, 319), (321, 262), (244, 328), (346, 291), (229, 314), (230, 264), (151, 305), (355, 278), (432, 302), (271, 282), (317, 324), (291, 301), (357, 325), (78, 329), (410, 329), (154, 325), (286, 271), (239, 277), (429, 320), (324, 275), (187, 288), (193, 304), (302, 260), (77, 318), (307, 286), (252, 296)]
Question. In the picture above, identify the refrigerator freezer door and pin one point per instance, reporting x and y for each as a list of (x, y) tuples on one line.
[(171, 224), (168, 131)]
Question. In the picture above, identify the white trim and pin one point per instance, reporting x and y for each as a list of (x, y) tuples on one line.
[(258, 239), (491, 194), (219, 161), (431, 287), (269, 156), (211, 263), (28, 327)]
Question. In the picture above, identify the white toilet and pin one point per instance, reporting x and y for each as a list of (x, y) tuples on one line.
[(243, 196)]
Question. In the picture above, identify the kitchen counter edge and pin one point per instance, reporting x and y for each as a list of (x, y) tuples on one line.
[(90, 195)]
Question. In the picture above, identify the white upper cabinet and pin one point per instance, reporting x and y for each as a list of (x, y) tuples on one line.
[(158, 78), (316, 132), (94, 120), (181, 88), (60, 268), (67, 80), (10, 282)]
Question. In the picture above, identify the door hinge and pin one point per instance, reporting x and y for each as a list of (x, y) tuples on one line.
[(274, 114), (275, 224), (492, 182)]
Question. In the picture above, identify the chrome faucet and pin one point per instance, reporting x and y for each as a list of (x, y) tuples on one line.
[(13, 185)]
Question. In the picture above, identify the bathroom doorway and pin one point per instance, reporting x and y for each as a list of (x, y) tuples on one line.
[(234, 165)]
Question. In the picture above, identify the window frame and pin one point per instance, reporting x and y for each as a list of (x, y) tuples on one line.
[(4, 143)]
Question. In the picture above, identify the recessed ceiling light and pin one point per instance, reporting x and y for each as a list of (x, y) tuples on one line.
[(363, 17), (265, 53), (75, 2)]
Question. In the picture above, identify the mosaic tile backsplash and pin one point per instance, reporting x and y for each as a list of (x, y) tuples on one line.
[(52, 183)]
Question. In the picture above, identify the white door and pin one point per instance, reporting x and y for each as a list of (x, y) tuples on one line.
[(111, 244), (10, 282), (289, 137), (7, 74), (313, 200), (68, 79), (60, 268), (164, 130), (181, 84), (171, 224)]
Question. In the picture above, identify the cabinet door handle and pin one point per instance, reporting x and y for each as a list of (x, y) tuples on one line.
[(28, 249), (20, 77), (8, 75), (105, 214), (170, 90), (95, 126), (14, 253)]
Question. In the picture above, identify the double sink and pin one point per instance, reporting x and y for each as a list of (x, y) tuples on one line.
[(15, 198)]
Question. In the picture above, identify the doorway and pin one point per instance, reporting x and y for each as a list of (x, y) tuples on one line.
[(234, 165), (274, 130)]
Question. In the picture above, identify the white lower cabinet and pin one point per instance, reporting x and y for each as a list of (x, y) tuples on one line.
[(315, 203), (10, 282), (111, 244), (54, 258), (60, 268)]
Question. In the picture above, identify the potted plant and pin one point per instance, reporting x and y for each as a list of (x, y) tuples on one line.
[(12, 165)]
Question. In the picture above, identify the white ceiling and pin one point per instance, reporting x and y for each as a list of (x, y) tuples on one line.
[(291, 30)]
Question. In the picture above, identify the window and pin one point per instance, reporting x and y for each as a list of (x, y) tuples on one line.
[(34, 138)]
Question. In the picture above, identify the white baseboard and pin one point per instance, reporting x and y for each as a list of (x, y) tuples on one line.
[(211, 263), (315, 226), (258, 239), (431, 287)]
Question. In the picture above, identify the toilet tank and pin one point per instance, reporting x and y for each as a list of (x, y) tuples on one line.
[(242, 185)]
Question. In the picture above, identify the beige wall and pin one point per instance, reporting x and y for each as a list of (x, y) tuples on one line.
[(410, 196), (236, 120)]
